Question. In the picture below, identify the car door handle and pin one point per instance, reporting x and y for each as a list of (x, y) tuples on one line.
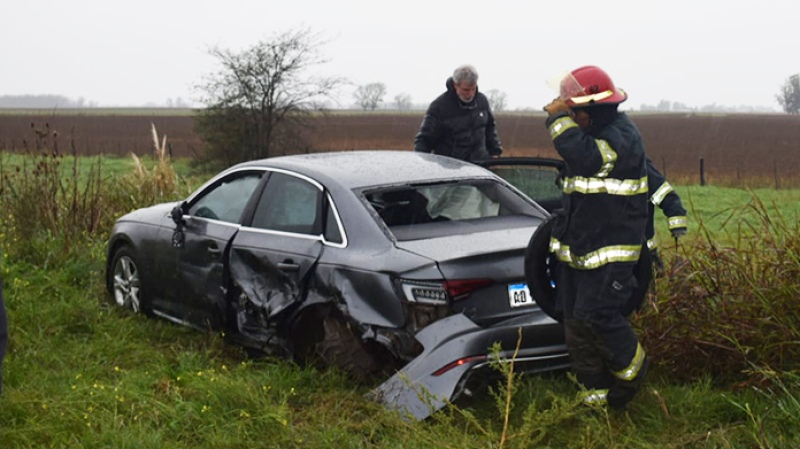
[(288, 265), (214, 251)]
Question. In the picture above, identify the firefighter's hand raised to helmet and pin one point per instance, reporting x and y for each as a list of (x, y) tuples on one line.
[(556, 106)]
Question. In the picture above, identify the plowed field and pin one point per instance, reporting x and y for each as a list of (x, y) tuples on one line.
[(737, 149)]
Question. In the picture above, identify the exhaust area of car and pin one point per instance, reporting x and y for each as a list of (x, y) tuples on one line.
[(454, 347)]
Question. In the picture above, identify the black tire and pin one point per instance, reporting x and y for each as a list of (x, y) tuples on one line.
[(124, 281), (540, 267), (342, 349)]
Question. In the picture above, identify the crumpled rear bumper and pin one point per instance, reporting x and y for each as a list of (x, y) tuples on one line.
[(455, 347)]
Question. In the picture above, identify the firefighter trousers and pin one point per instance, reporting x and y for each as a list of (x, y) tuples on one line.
[(604, 350)]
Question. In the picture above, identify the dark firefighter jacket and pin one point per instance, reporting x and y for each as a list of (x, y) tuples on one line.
[(663, 196), (461, 130), (604, 214)]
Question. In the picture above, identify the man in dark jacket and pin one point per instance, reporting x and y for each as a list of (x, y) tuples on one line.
[(459, 123), (599, 233), (663, 196)]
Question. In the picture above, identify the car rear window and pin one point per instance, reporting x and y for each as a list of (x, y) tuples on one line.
[(422, 211)]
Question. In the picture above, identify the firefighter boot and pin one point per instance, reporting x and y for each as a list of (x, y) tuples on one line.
[(596, 386)]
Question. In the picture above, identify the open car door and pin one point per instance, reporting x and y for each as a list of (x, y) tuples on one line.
[(537, 177)]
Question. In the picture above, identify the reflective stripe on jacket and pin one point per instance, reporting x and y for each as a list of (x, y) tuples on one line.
[(664, 197)]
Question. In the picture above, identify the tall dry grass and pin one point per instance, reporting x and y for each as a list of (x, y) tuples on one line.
[(157, 183)]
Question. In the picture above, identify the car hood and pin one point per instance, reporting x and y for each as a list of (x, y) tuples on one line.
[(150, 214)]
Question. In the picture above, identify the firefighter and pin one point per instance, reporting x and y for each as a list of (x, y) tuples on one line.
[(663, 196), (599, 233)]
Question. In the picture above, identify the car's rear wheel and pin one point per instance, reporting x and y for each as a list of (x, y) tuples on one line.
[(125, 281), (341, 348)]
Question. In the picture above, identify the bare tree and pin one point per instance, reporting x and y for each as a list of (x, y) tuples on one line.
[(369, 96), (403, 101), (497, 100), (258, 103), (789, 97)]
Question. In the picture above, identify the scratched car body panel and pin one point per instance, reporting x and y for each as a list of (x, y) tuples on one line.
[(382, 263)]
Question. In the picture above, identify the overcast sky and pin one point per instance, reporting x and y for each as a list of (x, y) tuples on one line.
[(128, 53)]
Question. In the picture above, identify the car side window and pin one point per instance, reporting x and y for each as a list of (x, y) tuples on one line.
[(227, 199), (289, 204)]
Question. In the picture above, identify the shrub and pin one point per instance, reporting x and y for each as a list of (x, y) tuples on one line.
[(723, 308)]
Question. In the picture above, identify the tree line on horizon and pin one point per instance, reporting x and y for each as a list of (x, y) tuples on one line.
[(44, 101), (53, 101), (401, 102)]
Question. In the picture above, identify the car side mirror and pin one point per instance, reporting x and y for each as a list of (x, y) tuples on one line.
[(177, 214)]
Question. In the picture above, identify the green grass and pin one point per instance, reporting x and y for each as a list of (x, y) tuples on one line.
[(726, 211), (82, 373), (113, 167)]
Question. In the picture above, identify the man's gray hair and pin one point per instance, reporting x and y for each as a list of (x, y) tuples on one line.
[(465, 73)]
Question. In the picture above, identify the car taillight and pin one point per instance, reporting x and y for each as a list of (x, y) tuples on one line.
[(425, 292), (439, 292), (459, 362), (462, 288)]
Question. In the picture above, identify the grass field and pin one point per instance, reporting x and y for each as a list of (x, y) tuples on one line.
[(81, 373)]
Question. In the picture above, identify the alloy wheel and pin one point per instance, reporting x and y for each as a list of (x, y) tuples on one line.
[(126, 283)]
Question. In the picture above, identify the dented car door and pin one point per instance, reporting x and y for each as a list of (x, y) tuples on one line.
[(274, 252)]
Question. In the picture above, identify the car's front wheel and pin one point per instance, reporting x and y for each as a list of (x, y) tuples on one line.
[(125, 281)]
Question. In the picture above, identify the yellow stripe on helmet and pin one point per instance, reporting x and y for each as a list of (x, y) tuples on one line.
[(593, 97)]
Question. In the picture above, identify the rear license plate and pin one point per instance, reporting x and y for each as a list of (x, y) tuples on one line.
[(519, 295)]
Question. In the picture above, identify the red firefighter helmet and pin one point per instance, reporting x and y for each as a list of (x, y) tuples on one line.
[(590, 85)]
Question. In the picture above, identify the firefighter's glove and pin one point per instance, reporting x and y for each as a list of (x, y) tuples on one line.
[(556, 106), (678, 232)]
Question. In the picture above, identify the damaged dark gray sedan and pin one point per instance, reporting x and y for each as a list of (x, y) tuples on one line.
[(380, 263)]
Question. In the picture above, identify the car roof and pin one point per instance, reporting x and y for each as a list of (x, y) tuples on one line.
[(365, 168)]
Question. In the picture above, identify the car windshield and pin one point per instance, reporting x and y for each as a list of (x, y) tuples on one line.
[(429, 210)]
